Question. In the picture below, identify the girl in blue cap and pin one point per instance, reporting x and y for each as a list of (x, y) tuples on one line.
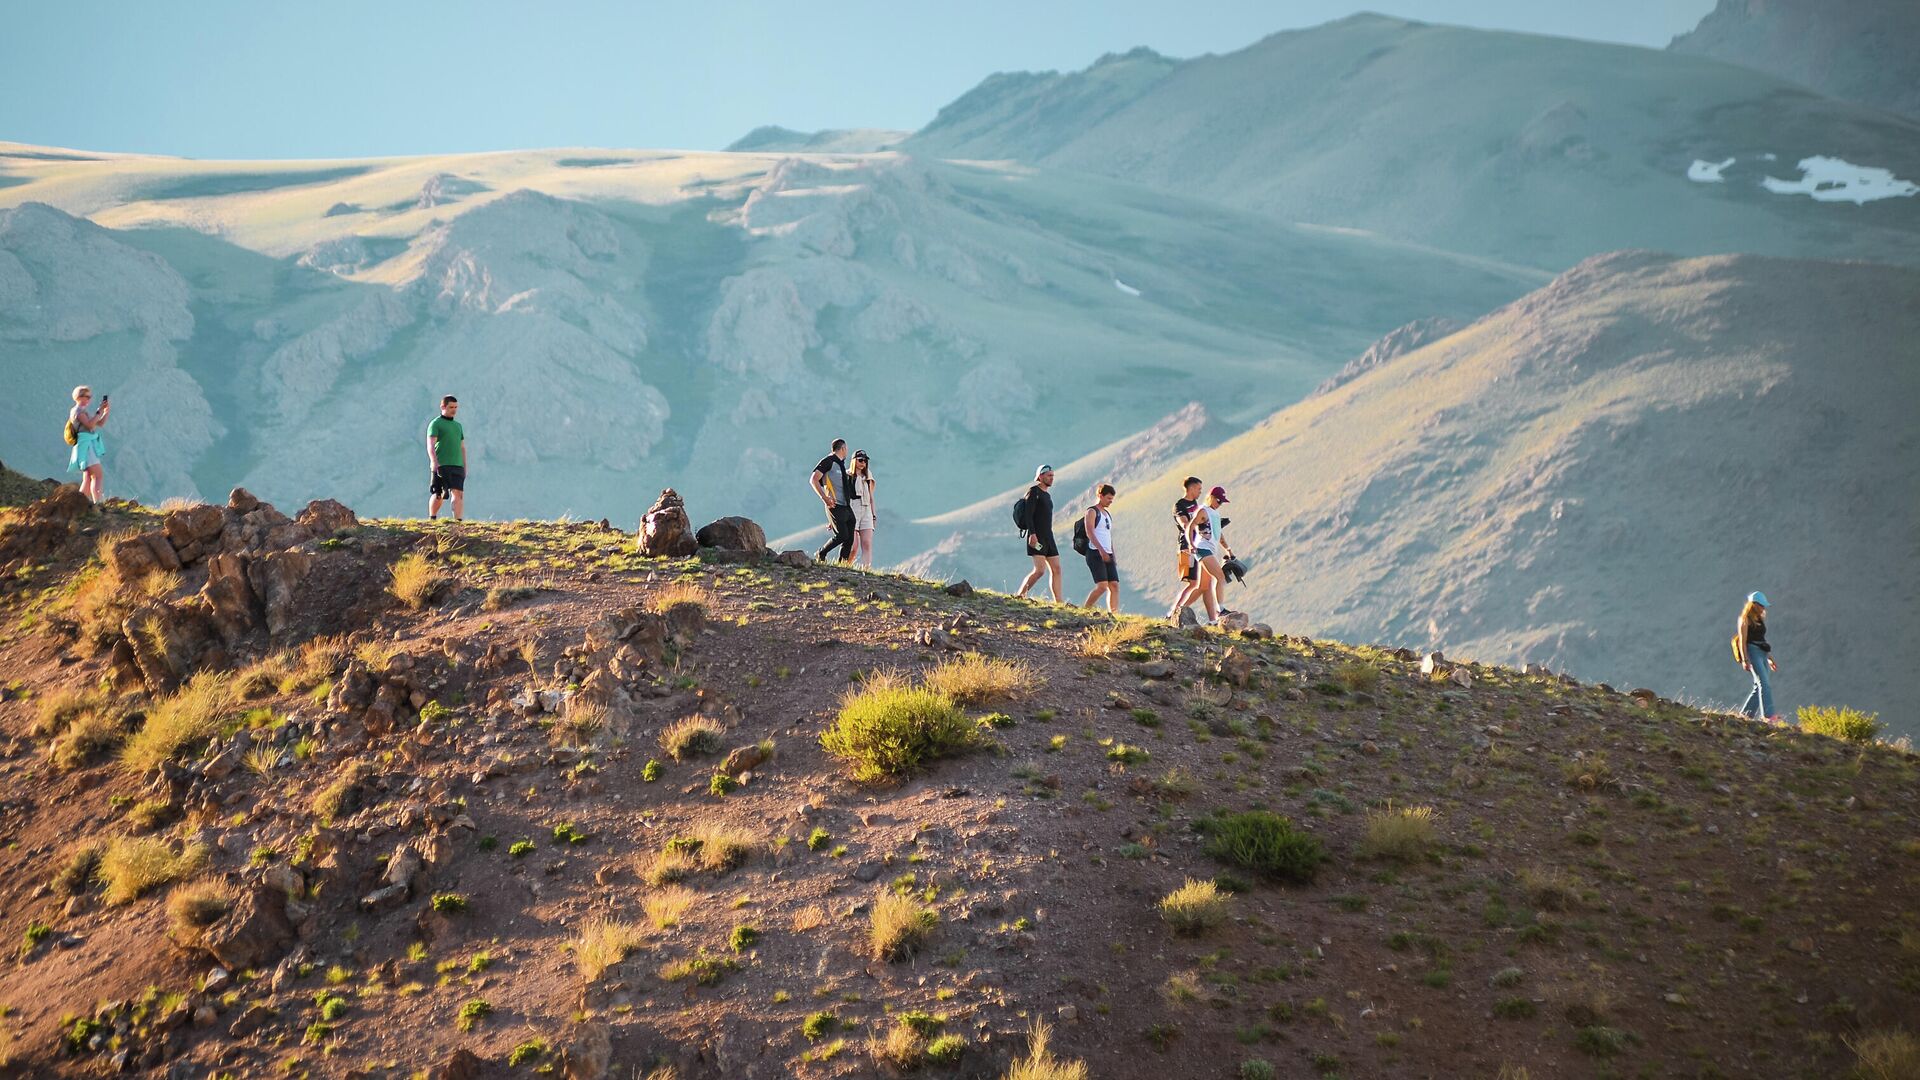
[(1751, 649)]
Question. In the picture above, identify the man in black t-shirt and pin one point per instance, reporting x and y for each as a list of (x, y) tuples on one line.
[(1039, 540), (1186, 568), (829, 481)]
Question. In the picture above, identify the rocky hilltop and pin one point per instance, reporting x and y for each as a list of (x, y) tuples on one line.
[(322, 796)]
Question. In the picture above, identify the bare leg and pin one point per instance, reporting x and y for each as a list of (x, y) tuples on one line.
[(1113, 597), (433, 506), (1054, 584), (1209, 570), (90, 483), (1039, 567), (863, 548), (459, 505)]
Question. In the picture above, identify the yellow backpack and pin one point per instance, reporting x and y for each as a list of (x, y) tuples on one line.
[(73, 434)]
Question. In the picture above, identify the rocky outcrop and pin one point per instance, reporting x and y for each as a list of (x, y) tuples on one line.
[(665, 529), (41, 528)]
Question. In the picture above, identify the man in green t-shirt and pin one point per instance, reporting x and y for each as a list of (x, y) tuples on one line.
[(447, 457)]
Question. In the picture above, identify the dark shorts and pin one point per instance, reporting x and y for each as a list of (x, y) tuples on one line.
[(1102, 569), (1041, 543), (1188, 566), (448, 479)]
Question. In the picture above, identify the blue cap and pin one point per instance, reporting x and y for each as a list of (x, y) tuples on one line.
[(1757, 598)]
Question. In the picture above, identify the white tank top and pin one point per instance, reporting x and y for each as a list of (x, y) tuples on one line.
[(1208, 534), (1102, 529)]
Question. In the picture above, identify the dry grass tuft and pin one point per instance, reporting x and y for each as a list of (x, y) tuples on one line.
[(1402, 834), (1549, 888), (192, 714), (61, 708), (901, 1047), (1104, 641), (583, 723), (603, 943), (1040, 1064), (194, 907), (713, 850), (1886, 1055), (690, 738), (91, 735), (899, 927), (319, 660), (811, 917), (79, 867), (972, 679), (680, 594), (1195, 907), (665, 905), (416, 581), (344, 795), (264, 676), (1357, 676), (132, 867)]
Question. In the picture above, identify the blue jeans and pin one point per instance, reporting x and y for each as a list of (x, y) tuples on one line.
[(1761, 698)]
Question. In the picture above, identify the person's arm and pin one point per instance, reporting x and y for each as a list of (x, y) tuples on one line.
[(873, 508), (1193, 529), (1740, 639), (817, 480), (463, 451), (433, 448)]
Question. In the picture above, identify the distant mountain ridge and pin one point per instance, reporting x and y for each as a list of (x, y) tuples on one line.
[(1535, 150), (1867, 51)]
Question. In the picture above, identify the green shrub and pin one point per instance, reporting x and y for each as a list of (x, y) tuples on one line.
[(1839, 722), (1599, 1041), (819, 1025), (946, 1049), (1264, 842), (886, 731)]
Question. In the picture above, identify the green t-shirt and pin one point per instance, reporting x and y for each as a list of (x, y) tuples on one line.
[(447, 450)]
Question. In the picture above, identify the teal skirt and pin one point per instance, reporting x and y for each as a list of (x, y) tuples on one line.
[(88, 450)]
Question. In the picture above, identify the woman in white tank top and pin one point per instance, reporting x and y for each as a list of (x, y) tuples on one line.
[(1098, 525)]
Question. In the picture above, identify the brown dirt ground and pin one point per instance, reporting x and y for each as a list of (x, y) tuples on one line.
[(1739, 900)]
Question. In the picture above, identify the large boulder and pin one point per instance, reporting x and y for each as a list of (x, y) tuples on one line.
[(276, 578), (254, 933), (242, 501), (733, 534), (193, 530), (132, 559), (665, 528), (229, 597)]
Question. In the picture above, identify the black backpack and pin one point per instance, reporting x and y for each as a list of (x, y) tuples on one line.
[(1081, 544), (1022, 515)]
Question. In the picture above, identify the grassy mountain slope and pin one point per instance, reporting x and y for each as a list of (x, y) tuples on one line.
[(1856, 50), (1593, 476), (1536, 150), (618, 321), (1700, 891)]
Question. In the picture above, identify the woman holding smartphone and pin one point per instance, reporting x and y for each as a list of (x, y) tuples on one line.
[(864, 514), (89, 451)]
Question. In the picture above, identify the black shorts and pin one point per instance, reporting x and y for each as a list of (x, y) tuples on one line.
[(1101, 568), (1041, 543), (448, 479), (1188, 566)]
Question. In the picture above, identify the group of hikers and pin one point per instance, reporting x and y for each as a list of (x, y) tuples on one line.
[(1202, 565), (1203, 562)]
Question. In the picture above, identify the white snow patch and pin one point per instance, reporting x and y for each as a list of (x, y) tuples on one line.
[(1125, 288), (1706, 172), (1829, 179)]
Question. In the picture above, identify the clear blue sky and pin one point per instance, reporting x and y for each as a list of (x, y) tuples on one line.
[(266, 79)]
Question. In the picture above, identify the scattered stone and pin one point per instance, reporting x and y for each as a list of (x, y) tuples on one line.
[(798, 560), (462, 1064), (1234, 621), (254, 932), (219, 978), (1462, 677), (1535, 669), (1068, 1013), (1155, 669), (1644, 697), (962, 588), (1257, 631), (1235, 667), (1187, 618), (744, 759), (1432, 662), (256, 1017)]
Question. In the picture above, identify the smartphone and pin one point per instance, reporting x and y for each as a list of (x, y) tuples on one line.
[(104, 398)]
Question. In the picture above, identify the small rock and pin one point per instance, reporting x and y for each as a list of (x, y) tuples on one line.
[(1068, 1013), (1155, 669), (219, 978), (962, 588), (867, 872), (204, 1016)]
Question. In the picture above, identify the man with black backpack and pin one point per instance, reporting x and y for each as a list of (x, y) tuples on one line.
[(1093, 539), (829, 481), (1034, 515)]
